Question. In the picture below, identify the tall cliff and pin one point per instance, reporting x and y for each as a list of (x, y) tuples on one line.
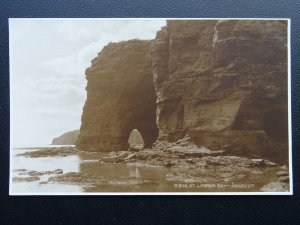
[(224, 83), (120, 98)]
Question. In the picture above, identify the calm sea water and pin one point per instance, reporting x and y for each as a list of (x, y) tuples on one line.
[(68, 164), (87, 164)]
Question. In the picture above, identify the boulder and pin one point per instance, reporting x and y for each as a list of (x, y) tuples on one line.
[(275, 187), (115, 157), (282, 173), (284, 179)]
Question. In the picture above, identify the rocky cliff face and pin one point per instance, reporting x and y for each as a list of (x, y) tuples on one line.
[(120, 98), (68, 138), (224, 83)]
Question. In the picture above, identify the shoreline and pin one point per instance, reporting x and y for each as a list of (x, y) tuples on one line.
[(191, 170)]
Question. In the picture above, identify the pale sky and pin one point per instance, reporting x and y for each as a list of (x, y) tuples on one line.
[(48, 59)]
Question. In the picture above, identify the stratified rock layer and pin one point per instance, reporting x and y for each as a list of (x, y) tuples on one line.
[(120, 98), (221, 82), (224, 83)]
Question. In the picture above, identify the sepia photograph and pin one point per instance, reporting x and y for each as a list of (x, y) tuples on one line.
[(150, 106)]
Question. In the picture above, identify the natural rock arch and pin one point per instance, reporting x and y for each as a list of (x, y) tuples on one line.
[(120, 98), (217, 81)]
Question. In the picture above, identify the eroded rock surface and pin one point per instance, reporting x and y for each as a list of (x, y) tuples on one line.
[(181, 170), (224, 83), (120, 98), (25, 179), (196, 169), (275, 187), (48, 152)]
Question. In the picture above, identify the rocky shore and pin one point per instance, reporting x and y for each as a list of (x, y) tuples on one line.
[(184, 163)]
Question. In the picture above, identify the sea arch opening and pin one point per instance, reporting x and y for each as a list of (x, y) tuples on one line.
[(136, 140)]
